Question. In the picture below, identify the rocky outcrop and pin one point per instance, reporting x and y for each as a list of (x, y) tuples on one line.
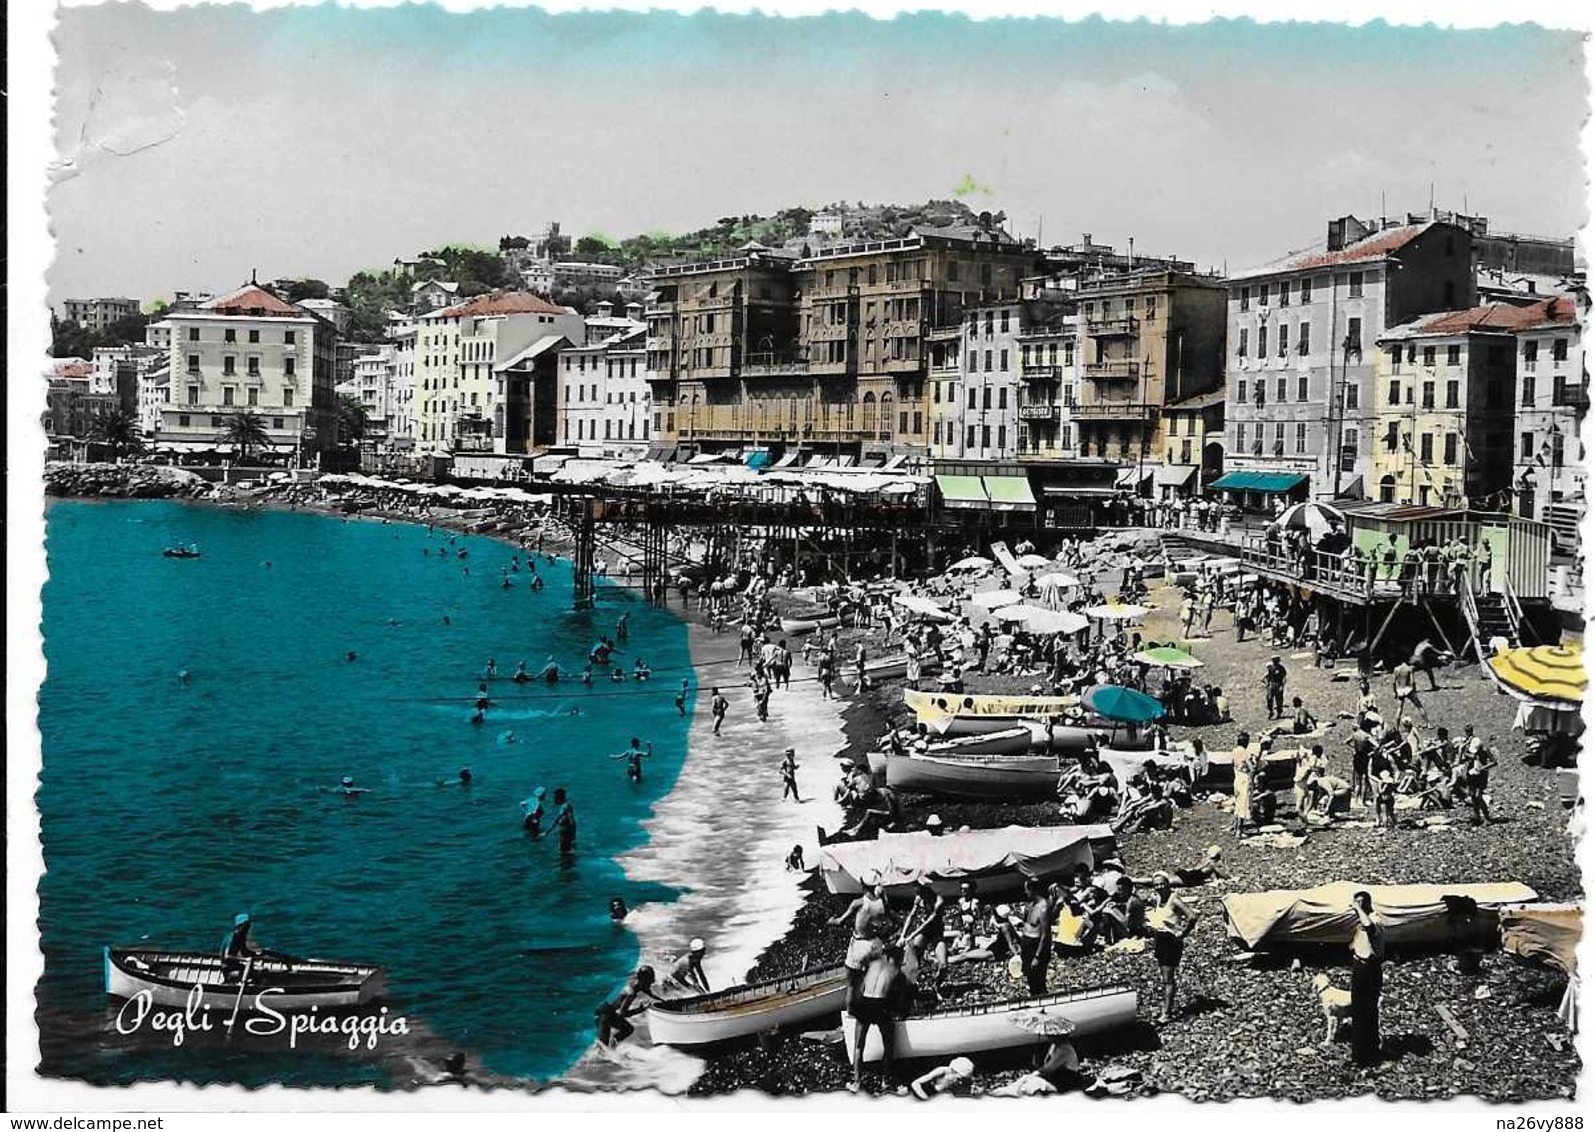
[(123, 481)]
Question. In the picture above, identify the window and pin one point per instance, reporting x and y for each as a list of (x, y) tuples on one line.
[(988, 361), (1240, 438), (288, 337), (1002, 397), (1450, 448), (1426, 448), (1453, 394), (229, 335), (1531, 354), (990, 316), (1556, 449), (935, 432), (1528, 390), (974, 361), (1301, 437), (1353, 343), (1428, 355), (1246, 300), (1002, 436), (254, 336), (1151, 306), (193, 334), (1352, 395), (985, 397), (287, 367), (1392, 436), (252, 365), (1526, 446), (1262, 341), (1302, 329), (229, 364), (1280, 390), (969, 441), (1240, 391), (971, 398), (1559, 350), (1002, 362), (182, 420), (1240, 350), (287, 398), (935, 392), (254, 395), (985, 436), (193, 363), (1395, 359), (193, 394), (1453, 355), (1428, 394), (1306, 291), (1262, 295), (1356, 284), (1395, 393), (1301, 388), (1005, 322), (1279, 438)]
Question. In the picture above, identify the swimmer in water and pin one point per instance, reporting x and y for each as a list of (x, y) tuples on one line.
[(634, 756), (350, 655), (521, 675), (348, 789), (508, 737), (640, 670), (681, 699), (465, 776), (182, 676), (587, 676), (617, 909), (481, 697), (446, 620), (492, 668), (478, 718), (532, 813)]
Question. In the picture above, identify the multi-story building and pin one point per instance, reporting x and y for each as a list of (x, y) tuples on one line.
[(829, 351), (339, 316), (97, 314), (432, 294), (401, 420), (990, 382), (1148, 338), (1300, 344), (604, 403), (460, 394), (1193, 440), (574, 273), (158, 334), (250, 351), (154, 394), (117, 370), (538, 277), (1552, 401), (1442, 389), (374, 385)]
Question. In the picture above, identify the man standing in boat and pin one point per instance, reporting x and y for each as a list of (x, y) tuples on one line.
[(238, 948)]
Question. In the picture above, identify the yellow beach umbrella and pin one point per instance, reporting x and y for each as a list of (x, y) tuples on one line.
[(1545, 672)]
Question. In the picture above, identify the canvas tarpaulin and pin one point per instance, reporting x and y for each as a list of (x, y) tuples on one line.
[(1011, 853), (1548, 933), (1410, 913), (932, 703)]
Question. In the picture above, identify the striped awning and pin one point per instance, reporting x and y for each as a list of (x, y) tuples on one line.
[(1543, 673), (1009, 493), (962, 491)]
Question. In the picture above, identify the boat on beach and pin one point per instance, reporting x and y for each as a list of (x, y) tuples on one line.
[(1009, 741), (169, 977), (942, 703), (974, 776), (999, 1025), (994, 860), (754, 1008)]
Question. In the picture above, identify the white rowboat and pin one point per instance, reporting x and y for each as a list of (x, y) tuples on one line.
[(170, 977), (751, 1009)]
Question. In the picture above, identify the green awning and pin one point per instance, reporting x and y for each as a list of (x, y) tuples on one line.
[(1277, 483), (962, 491), (1009, 493)]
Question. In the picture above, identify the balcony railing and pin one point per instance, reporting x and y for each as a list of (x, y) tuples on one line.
[(763, 365), (1571, 396), (1039, 413), (1115, 410), (1108, 371), (1113, 327), (1041, 373)]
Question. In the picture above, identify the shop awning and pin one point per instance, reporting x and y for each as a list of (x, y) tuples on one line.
[(1131, 477), (1352, 490), (1277, 483), (1055, 490), (962, 491), (758, 458), (1009, 493), (1173, 475), (787, 461)]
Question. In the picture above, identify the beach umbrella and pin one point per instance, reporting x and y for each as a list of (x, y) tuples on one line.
[(1034, 562), (1043, 1023), (1548, 674), (973, 562), (922, 606), (1123, 705), (1054, 621), (1114, 611), (994, 599), (1057, 580), (1165, 657), (1012, 613), (1317, 519)]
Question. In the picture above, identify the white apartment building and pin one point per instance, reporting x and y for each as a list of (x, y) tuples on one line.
[(456, 349), (340, 316), (401, 420), (97, 314), (158, 334), (250, 351), (990, 384), (1552, 402), (154, 395), (603, 403)]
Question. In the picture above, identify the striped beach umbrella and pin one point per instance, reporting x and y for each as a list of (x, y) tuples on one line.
[(1545, 673)]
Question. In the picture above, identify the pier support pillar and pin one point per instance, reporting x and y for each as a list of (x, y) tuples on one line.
[(582, 567)]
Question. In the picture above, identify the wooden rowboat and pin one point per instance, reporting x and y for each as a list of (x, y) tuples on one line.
[(797, 626), (1009, 741), (751, 1009), (1000, 1025), (169, 977), (974, 776)]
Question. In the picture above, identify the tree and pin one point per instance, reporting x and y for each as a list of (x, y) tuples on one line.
[(118, 430), (593, 245), (246, 432), (301, 289), (70, 340), (352, 421)]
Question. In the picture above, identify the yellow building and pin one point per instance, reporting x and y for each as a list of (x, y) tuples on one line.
[(1443, 387)]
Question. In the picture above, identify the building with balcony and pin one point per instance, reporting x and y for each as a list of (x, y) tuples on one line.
[(1443, 387), (604, 404), (462, 396), (1049, 382), (249, 351), (1300, 344), (95, 315), (1147, 338), (1193, 445), (1552, 400)]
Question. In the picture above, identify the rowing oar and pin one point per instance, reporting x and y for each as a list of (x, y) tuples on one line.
[(239, 1001)]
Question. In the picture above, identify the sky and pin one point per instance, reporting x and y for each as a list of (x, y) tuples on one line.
[(199, 144)]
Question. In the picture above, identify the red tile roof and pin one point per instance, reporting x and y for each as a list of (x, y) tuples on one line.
[(255, 301), (507, 302), (1502, 318), (1376, 246)]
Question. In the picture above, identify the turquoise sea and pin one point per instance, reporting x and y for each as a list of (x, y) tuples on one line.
[(169, 806)]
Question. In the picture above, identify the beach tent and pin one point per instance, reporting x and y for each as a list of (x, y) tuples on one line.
[(996, 859), (1548, 933), (1410, 913)]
